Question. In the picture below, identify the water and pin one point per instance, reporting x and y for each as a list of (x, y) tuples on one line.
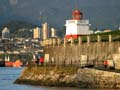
[(9, 75)]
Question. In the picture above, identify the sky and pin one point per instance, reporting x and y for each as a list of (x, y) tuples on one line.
[(102, 14)]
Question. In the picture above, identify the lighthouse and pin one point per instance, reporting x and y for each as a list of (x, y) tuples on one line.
[(77, 26)]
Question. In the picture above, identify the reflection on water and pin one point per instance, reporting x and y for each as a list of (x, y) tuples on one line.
[(9, 75)]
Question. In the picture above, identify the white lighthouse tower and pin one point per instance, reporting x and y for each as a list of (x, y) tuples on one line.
[(77, 26)]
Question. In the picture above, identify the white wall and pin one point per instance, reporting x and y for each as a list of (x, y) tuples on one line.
[(77, 27)]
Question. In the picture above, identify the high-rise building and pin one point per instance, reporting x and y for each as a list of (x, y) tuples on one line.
[(45, 31), (77, 26), (36, 33), (5, 33), (53, 32)]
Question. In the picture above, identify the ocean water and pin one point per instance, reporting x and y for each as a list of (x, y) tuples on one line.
[(9, 75)]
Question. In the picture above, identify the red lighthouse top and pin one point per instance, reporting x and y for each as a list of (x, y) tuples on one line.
[(77, 15)]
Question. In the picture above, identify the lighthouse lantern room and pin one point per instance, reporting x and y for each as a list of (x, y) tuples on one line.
[(77, 26)]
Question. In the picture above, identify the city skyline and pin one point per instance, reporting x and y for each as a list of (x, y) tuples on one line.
[(101, 14)]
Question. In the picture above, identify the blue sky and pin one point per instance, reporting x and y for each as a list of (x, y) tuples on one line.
[(101, 13)]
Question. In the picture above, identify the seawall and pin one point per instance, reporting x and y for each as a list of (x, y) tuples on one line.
[(71, 54), (69, 77)]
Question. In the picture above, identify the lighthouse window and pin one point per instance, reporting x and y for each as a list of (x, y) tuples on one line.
[(83, 22), (71, 21)]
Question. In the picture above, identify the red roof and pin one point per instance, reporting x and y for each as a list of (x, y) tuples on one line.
[(77, 11), (77, 15)]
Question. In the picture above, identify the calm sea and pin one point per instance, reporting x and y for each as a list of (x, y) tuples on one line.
[(9, 75)]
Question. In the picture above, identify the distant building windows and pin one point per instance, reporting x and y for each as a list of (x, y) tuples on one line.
[(53, 32), (5, 33), (45, 31), (36, 33)]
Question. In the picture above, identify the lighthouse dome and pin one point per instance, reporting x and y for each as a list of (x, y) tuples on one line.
[(77, 14)]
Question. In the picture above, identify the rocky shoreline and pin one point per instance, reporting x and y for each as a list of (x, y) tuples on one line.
[(48, 76), (69, 77)]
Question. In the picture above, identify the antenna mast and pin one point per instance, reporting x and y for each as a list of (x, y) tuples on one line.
[(76, 4)]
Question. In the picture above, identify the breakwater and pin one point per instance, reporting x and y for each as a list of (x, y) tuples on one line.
[(73, 54), (69, 76), (63, 62)]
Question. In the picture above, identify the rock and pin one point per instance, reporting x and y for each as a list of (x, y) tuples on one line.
[(84, 78), (90, 78)]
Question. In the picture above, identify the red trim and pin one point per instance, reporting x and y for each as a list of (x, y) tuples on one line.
[(8, 64), (72, 36)]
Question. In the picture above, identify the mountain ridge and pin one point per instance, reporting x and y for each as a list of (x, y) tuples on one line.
[(16, 25), (101, 13)]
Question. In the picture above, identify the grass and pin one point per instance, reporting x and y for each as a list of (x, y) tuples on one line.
[(46, 70), (104, 36)]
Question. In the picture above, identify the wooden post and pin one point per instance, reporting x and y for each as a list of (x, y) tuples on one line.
[(98, 38), (110, 38), (45, 42), (64, 42), (119, 50), (72, 41), (58, 42), (54, 41), (88, 39), (50, 41), (79, 40)]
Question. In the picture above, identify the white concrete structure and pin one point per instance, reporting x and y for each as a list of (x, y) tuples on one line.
[(77, 27), (53, 32)]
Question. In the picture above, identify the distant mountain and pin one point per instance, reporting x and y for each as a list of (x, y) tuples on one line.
[(101, 13), (16, 25)]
